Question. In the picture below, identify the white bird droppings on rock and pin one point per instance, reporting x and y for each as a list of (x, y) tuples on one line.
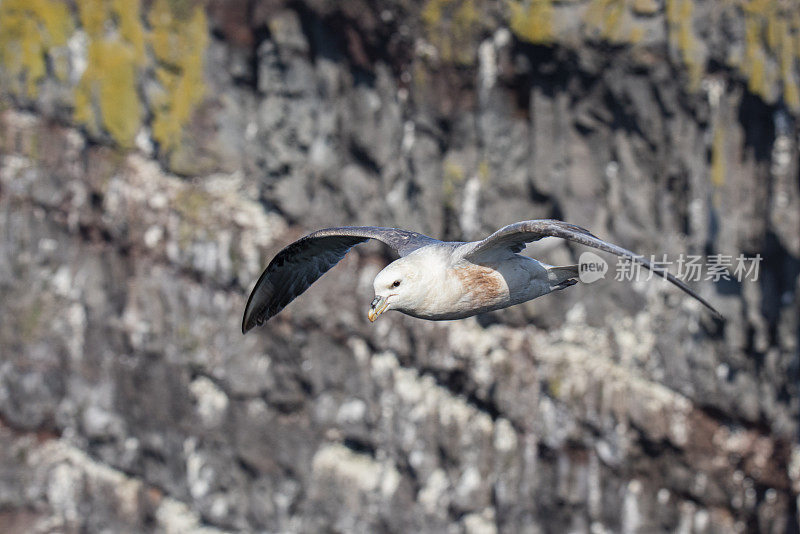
[(480, 523), (212, 402), (341, 463)]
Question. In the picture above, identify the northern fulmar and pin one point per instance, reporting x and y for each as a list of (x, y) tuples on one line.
[(433, 279)]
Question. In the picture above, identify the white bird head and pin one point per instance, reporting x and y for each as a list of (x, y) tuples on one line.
[(397, 287)]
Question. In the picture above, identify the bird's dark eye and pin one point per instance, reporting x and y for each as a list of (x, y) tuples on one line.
[(396, 283)]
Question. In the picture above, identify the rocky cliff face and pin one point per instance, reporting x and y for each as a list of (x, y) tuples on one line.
[(154, 156)]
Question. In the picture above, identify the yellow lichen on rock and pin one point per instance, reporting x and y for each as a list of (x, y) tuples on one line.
[(532, 20), (791, 92), (755, 60), (452, 27), (178, 40), (645, 7), (107, 96), (29, 29), (110, 78), (114, 60), (682, 38), (453, 174), (484, 171), (93, 15), (606, 19), (772, 50), (130, 26), (718, 156)]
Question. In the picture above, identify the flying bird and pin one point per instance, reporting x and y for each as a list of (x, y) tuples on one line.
[(433, 279)]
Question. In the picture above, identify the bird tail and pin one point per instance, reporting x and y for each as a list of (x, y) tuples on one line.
[(562, 277)]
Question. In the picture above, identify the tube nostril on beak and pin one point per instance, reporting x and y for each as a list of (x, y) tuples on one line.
[(378, 306)]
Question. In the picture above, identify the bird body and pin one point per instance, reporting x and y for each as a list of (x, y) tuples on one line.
[(462, 288), (432, 279)]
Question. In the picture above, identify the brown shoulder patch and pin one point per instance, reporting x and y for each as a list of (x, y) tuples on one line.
[(483, 284)]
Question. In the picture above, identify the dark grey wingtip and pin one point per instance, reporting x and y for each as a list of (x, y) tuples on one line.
[(702, 301), (249, 320), (696, 296), (247, 324), (716, 312), (254, 310)]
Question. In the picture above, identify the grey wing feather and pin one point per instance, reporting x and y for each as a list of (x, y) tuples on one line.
[(300, 264), (514, 236)]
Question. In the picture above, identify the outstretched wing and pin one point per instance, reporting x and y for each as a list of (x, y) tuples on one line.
[(514, 236), (300, 264)]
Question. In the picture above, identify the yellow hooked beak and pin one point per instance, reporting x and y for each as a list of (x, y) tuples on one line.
[(378, 306)]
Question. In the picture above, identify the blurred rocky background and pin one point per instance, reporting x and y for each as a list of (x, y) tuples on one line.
[(155, 154)]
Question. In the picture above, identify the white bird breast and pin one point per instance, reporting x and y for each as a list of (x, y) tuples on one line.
[(470, 288)]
